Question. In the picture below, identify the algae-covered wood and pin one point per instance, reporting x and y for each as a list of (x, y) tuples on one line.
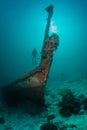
[(33, 83)]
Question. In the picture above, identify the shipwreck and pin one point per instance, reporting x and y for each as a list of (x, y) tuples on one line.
[(32, 84)]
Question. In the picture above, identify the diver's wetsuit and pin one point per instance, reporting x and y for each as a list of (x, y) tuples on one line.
[(34, 54)]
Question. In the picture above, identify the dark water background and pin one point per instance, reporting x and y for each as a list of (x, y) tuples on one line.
[(22, 26)]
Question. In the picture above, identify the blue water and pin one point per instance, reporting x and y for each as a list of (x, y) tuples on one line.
[(22, 26)]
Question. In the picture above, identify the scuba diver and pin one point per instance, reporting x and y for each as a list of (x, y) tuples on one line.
[(34, 56)]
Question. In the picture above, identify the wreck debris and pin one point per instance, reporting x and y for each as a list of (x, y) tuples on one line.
[(32, 84)]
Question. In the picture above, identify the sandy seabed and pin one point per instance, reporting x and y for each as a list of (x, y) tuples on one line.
[(32, 117)]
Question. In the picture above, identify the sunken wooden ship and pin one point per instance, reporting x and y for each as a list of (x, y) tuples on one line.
[(32, 84)]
